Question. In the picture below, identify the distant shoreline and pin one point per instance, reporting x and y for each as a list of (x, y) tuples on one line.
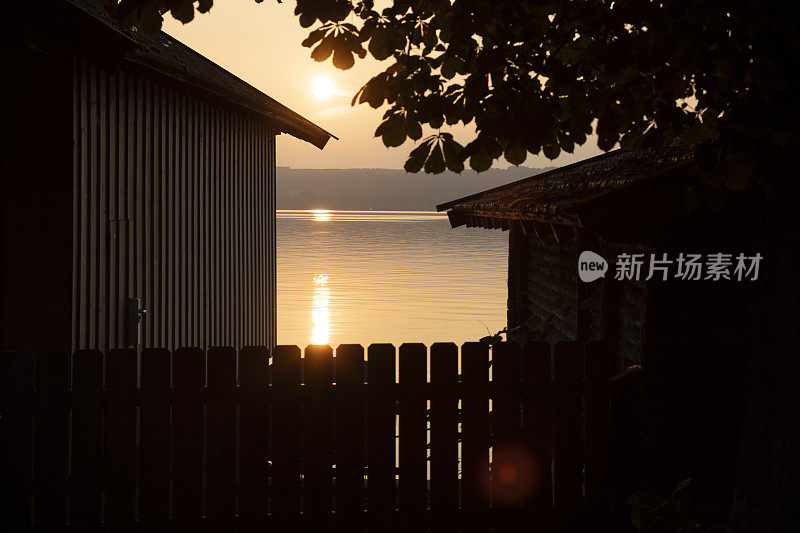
[(384, 189)]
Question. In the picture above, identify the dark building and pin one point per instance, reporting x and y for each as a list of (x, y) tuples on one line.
[(688, 335), (133, 168)]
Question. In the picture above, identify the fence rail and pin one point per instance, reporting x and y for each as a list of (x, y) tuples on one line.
[(409, 439)]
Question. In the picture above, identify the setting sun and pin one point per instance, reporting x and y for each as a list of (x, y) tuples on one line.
[(322, 88)]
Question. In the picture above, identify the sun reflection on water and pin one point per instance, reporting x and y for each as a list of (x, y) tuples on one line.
[(321, 215), (320, 333)]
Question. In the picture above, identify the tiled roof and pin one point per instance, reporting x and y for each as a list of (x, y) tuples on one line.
[(556, 196)]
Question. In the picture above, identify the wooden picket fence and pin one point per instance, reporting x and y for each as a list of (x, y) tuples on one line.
[(220, 439)]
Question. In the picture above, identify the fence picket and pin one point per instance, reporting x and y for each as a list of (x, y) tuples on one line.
[(444, 436), (119, 427), (568, 437), (349, 440), (413, 445), (86, 465), (537, 432), (625, 435), (475, 435), (188, 376), (322, 436), (509, 456), (318, 437), (155, 437), (221, 437), (16, 432), (286, 414), (253, 437), (52, 439), (600, 366), (381, 449)]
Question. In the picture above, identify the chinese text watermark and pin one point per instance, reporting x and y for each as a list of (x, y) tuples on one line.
[(684, 266)]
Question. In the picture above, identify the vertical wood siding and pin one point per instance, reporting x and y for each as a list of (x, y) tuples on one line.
[(632, 309), (552, 287), (543, 283), (174, 203)]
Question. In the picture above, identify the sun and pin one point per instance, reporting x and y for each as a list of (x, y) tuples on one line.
[(322, 88)]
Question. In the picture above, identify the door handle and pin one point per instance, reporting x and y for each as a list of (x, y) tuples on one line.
[(135, 314)]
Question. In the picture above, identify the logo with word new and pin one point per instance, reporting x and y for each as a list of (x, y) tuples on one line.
[(591, 266)]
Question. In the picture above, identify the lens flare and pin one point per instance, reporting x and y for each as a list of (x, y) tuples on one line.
[(516, 475)]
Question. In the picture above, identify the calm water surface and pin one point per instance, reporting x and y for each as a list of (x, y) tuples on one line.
[(387, 276)]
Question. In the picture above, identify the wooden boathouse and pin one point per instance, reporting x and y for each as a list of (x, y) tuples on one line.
[(138, 189), (681, 343)]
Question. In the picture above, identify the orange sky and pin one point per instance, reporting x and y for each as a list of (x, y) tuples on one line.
[(260, 43)]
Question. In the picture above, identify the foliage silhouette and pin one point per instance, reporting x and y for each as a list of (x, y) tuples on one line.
[(540, 77)]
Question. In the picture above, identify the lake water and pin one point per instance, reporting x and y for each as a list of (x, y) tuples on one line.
[(387, 276)]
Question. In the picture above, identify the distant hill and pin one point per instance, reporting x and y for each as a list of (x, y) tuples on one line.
[(383, 189)]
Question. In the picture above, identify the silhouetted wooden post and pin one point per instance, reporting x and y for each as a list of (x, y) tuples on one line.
[(350, 437), (286, 412), (87, 415), (537, 434), (155, 439), (119, 450), (51, 449), (475, 435), (188, 375), (600, 366), (381, 437), (508, 454), (16, 434), (253, 437), (568, 441), (318, 437), (444, 436), (413, 446), (221, 437)]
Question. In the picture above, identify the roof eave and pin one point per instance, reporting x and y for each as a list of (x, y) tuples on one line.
[(122, 48), (459, 216), (543, 175), (318, 139), (637, 211), (315, 135)]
